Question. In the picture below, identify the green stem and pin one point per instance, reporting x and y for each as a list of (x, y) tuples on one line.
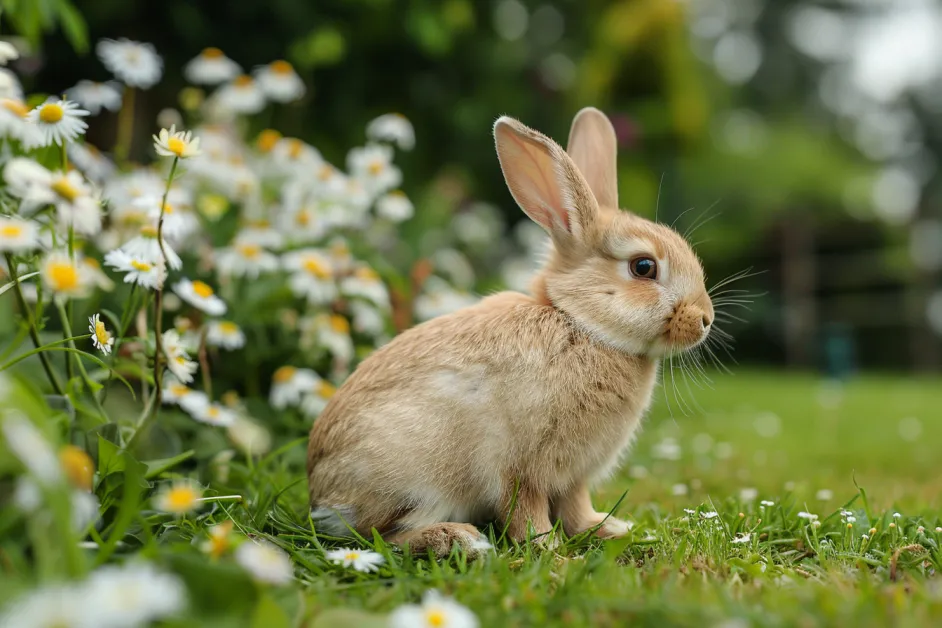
[(67, 325), (204, 364), (39, 350), (33, 331), (125, 127), (126, 318), (158, 298)]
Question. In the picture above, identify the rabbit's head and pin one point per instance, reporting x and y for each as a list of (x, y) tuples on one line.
[(629, 282)]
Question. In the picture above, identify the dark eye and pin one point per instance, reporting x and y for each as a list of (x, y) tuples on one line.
[(643, 268)]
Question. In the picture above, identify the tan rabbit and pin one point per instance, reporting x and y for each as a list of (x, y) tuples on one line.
[(525, 399)]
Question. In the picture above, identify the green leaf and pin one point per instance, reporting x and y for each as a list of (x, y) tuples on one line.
[(109, 458), (10, 285), (130, 501), (83, 354), (350, 618), (156, 467), (74, 27), (269, 615)]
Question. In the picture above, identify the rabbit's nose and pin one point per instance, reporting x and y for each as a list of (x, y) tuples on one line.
[(707, 321)]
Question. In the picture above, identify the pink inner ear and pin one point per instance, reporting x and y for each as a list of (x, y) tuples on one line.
[(539, 184)]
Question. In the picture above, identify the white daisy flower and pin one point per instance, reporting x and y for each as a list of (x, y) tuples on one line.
[(101, 337), (201, 296), (252, 438), (436, 611), (180, 497), (367, 319), (243, 95), (438, 299), (8, 52), (178, 360), (392, 127), (59, 121), (280, 82), (395, 206), (29, 445), (316, 399), (333, 333), (372, 166), (71, 195), (311, 276), (745, 538), (134, 64), (245, 259), (91, 162), (15, 124), (179, 223), (265, 562), (175, 392), (214, 414), (148, 275), (23, 175), (767, 503), (54, 606), (711, 514), (133, 594), (64, 277), (296, 156), (366, 284), (366, 561), (146, 248), (225, 334), (289, 384), (18, 235), (95, 96), (10, 85), (220, 539), (211, 67), (808, 516), (173, 143)]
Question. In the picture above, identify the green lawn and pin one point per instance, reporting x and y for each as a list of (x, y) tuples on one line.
[(787, 439)]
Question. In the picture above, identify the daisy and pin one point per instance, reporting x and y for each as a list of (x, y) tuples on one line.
[(211, 67), (395, 206), (767, 503), (361, 560), (95, 96), (242, 95), (262, 233), (296, 155), (148, 275), (179, 223), (178, 360), (367, 284), (101, 337), (135, 64), (439, 299), (180, 497), (29, 445), (91, 162), (78, 466), (133, 594), (267, 140), (59, 121), (742, 539), (712, 514), (392, 127), (18, 235), (245, 259), (173, 143), (367, 319), (311, 276), (808, 516), (173, 391), (333, 333), (372, 166), (317, 399), (220, 539), (249, 436), (53, 606), (8, 52), (146, 248), (289, 384), (436, 611), (265, 562), (201, 296), (225, 334), (96, 275), (15, 124), (24, 176), (214, 414), (280, 82), (64, 277)]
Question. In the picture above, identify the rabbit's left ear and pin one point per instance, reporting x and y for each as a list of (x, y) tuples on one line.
[(594, 148)]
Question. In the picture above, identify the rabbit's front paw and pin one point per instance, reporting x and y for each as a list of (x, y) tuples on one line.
[(612, 528)]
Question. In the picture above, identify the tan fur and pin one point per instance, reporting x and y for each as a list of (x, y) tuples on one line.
[(517, 399)]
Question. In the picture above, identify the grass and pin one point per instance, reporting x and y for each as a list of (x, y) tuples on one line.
[(789, 439)]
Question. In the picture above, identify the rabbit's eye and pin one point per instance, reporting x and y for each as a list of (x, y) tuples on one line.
[(643, 268)]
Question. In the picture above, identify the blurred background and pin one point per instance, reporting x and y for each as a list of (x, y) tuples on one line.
[(798, 139)]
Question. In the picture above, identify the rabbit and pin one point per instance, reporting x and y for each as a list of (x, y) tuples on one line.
[(511, 409)]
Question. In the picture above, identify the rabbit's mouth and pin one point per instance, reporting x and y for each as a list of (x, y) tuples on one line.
[(684, 329)]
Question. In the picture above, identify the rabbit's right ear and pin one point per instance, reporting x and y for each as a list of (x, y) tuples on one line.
[(545, 182)]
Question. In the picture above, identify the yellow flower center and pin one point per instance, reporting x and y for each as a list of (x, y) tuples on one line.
[(179, 390), (11, 231), (91, 262), (294, 148), (180, 360), (398, 193), (351, 555), (15, 106), (326, 172), (101, 333), (228, 327), (303, 218), (176, 146), (435, 617), (202, 290), (267, 139), (284, 374), (376, 167), (51, 113), (65, 189), (78, 466), (212, 53), (243, 80), (339, 249), (140, 266), (281, 67), (315, 268), (249, 251), (181, 498), (219, 539), (168, 208), (326, 390), (149, 231), (339, 324), (63, 276), (212, 412), (366, 274)]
